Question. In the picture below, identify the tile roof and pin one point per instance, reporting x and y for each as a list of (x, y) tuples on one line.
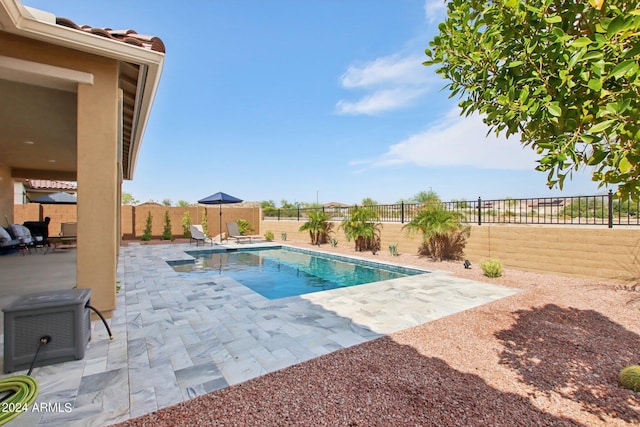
[(125, 36), (54, 185)]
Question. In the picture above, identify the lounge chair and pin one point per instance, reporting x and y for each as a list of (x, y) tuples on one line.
[(198, 235), (23, 236), (68, 235), (7, 242), (234, 232)]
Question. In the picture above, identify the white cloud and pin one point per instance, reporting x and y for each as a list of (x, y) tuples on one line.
[(393, 70), (379, 101), (391, 83), (434, 10), (457, 141)]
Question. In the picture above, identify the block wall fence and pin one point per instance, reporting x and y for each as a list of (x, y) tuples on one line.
[(133, 218), (581, 251)]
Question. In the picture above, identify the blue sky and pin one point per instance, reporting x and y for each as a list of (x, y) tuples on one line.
[(314, 100)]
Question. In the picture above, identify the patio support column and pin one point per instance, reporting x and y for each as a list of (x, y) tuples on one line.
[(98, 186), (6, 194)]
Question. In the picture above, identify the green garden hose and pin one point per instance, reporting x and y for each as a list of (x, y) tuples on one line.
[(23, 391)]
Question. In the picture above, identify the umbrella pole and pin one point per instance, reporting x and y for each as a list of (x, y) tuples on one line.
[(220, 233)]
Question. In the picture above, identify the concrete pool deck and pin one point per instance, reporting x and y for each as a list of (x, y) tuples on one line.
[(179, 337)]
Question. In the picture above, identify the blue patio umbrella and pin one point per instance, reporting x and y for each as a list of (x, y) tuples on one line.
[(219, 198)]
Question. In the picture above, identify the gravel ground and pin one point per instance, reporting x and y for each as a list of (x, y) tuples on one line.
[(549, 355)]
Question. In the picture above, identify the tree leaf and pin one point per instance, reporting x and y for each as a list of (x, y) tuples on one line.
[(618, 24), (595, 84), (554, 109), (623, 68), (625, 165), (601, 126), (553, 19), (581, 42)]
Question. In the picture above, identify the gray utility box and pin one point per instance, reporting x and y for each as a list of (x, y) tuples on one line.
[(62, 315)]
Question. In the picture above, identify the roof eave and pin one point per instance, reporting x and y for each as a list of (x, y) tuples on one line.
[(16, 19)]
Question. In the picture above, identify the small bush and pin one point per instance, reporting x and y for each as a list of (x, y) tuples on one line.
[(630, 378), (393, 249), (146, 234), (491, 267), (166, 233), (268, 236), (186, 224), (244, 227), (333, 242), (283, 236), (449, 246)]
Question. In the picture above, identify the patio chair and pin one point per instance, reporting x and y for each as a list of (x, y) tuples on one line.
[(234, 233), (198, 235), (26, 241), (7, 242), (40, 232), (68, 235)]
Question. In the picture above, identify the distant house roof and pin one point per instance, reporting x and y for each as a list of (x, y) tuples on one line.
[(335, 205), (47, 184), (125, 36)]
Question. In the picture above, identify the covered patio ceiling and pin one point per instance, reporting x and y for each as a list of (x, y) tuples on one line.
[(38, 112)]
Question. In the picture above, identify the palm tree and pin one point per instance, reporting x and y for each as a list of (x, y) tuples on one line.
[(318, 226), (443, 231), (362, 228)]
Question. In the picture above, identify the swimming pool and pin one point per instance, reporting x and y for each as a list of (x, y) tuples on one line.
[(283, 272)]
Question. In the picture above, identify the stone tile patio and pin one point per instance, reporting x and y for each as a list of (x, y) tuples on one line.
[(179, 337)]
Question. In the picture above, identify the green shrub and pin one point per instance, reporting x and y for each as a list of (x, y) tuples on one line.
[(393, 249), (205, 222), (268, 236), (166, 232), (318, 226), (491, 267), (186, 223), (363, 228), (283, 236), (146, 234), (444, 234), (244, 227), (630, 378), (333, 242)]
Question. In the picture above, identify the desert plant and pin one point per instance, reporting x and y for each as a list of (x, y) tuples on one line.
[(318, 226), (630, 377), (443, 232), (491, 267), (362, 227), (268, 236), (393, 249), (186, 223), (146, 234), (283, 236), (166, 232), (333, 242), (205, 222), (244, 227)]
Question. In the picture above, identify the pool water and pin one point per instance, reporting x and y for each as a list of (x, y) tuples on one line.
[(279, 273)]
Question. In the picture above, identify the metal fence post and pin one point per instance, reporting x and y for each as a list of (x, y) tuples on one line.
[(298, 212), (610, 209), (278, 214), (479, 211), (402, 212)]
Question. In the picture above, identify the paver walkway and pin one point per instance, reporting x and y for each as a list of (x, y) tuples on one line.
[(179, 337)]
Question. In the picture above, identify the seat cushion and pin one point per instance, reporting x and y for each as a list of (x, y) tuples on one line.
[(4, 234)]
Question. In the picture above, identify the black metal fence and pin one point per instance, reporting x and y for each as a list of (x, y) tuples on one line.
[(602, 210)]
